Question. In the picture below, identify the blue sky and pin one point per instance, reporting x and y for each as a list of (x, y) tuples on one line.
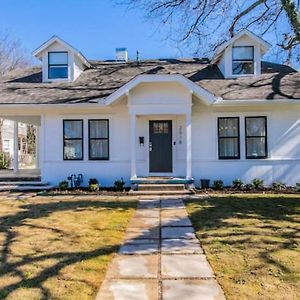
[(95, 27)]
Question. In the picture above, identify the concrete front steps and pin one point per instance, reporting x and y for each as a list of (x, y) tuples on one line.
[(161, 186), (22, 186)]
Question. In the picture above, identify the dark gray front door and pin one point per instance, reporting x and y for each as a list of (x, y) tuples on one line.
[(160, 146)]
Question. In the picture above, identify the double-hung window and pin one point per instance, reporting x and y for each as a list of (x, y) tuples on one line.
[(58, 65), (73, 139), (256, 137), (99, 139), (229, 138), (242, 60)]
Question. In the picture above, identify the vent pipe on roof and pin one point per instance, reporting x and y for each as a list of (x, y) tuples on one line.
[(121, 54)]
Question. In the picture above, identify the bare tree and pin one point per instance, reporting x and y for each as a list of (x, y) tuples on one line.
[(12, 55), (202, 25)]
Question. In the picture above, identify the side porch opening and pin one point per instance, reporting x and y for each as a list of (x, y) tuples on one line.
[(20, 147)]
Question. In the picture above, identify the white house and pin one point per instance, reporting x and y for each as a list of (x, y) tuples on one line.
[(233, 117)]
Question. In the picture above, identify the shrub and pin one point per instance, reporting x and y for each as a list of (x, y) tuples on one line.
[(218, 185), (279, 186), (249, 186), (63, 185), (119, 185), (258, 184), (93, 185), (93, 181), (237, 184), (298, 187), (4, 160)]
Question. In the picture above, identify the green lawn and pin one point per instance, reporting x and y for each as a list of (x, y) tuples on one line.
[(58, 248), (252, 243)]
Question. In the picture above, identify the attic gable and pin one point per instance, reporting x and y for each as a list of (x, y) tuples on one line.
[(59, 43), (241, 56), (60, 60), (264, 45)]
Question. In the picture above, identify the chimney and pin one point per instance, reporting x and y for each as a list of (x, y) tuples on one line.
[(121, 54)]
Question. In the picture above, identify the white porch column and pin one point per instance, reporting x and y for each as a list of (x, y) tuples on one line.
[(37, 148), (16, 147), (188, 122), (133, 144)]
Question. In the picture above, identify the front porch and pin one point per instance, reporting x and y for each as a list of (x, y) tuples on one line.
[(161, 148)]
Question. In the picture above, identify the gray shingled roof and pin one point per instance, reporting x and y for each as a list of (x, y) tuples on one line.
[(26, 87)]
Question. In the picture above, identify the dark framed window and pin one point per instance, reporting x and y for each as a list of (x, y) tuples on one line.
[(256, 137), (73, 139), (57, 65), (242, 60), (99, 139), (229, 138)]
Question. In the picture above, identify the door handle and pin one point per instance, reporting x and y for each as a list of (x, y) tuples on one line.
[(150, 146)]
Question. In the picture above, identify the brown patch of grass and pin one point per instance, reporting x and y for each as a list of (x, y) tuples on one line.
[(252, 243), (58, 247)]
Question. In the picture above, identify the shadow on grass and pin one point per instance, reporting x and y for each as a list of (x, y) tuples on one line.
[(9, 223), (268, 224)]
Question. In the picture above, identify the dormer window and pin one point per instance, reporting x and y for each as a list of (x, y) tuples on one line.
[(242, 60), (58, 65)]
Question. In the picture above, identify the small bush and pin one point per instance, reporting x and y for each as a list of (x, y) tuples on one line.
[(279, 186), (298, 187), (218, 185), (63, 185), (93, 181), (4, 160), (258, 184), (119, 185), (94, 185), (249, 187), (237, 184)]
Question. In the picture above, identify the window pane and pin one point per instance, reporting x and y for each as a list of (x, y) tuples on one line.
[(58, 72), (255, 127), (73, 129), (229, 148), (242, 53), (228, 127), (58, 58), (256, 147), (99, 149), (160, 127), (73, 149), (98, 129), (239, 67)]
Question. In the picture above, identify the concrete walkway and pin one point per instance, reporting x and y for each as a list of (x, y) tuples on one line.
[(161, 258)]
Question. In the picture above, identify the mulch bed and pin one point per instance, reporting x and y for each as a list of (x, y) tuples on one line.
[(265, 190), (85, 191)]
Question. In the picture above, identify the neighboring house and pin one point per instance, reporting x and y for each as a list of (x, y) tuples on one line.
[(233, 117)]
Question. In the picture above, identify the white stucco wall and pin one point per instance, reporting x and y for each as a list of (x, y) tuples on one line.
[(282, 164)]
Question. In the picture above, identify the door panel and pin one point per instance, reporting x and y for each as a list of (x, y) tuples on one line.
[(160, 147)]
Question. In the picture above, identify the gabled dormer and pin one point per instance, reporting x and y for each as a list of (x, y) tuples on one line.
[(241, 55), (60, 61)]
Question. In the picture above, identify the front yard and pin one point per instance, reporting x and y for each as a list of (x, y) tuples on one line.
[(252, 243), (60, 247)]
